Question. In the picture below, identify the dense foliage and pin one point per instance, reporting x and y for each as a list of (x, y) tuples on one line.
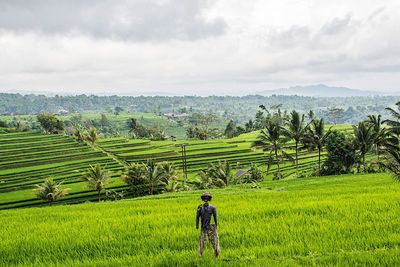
[(240, 109)]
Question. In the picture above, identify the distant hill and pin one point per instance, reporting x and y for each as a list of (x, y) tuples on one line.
[(320, 90)]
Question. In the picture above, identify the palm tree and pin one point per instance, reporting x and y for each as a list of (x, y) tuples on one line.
[(392, 161), (92, 136), (363, 138), (154, 175), (136, 178), (50, 191), (316, 137), (220, 171), (296, 131), (168, 171), (96, 177), (395, 124), (272, 139), (79, 134), (132, 125)]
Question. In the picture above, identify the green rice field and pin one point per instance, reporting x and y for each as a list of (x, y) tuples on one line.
[(348, 220), (28, 158)]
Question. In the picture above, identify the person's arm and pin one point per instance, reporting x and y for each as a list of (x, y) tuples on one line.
[(215, 216), (198, 217)]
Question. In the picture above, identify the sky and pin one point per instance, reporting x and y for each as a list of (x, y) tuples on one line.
[(197, 47)]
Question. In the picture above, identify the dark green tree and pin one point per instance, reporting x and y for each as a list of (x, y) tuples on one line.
[(50, 123), (230, 130), (118, 110), (341, 156)]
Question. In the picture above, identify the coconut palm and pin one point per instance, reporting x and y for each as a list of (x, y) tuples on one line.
[(96, 177), (272, 139), (392, 161), (136, 178), (395, 123), (296, 130), (168, 171), (383, 137), (155, 175), (79, 134), (363, 138), (50, 191), (92, 136), (316, 137), (220, 171)]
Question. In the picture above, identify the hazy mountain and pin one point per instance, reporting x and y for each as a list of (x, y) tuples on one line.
[(321, 90)]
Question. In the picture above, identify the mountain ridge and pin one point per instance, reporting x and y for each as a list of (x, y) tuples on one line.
[(322, 90)]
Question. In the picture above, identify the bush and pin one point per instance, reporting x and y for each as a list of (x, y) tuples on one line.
[(342, 155), (255, 174)]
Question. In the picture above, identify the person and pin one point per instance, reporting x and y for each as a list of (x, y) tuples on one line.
[(204, 214)]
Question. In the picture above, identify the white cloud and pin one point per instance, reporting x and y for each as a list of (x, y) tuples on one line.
[(198, 47)]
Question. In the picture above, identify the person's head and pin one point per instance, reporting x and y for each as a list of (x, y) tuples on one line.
[(206, 197)]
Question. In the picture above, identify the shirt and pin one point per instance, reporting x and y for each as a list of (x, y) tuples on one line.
[(205, 212)]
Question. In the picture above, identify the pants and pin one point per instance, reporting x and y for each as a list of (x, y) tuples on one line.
[(211, 232)]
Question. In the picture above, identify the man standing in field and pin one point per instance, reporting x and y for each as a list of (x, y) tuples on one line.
[(204, 213)]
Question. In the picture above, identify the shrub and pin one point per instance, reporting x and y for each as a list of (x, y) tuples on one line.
[(342, 155)]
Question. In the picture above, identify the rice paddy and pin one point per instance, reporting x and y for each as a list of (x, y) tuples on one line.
[(329, 221)]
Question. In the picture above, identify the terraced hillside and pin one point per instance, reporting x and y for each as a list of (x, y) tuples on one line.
[(28, 158), (198, 153), (239, 151)]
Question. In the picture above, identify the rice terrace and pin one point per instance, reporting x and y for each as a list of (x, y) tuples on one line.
[(152, 133)]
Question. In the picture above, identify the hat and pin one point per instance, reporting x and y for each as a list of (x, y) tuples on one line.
[(206, 194)]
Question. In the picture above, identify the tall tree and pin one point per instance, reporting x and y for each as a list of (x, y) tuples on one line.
[(381, 135), (50, 191), (335, 114), (296, 130), (394, 123), (230, 130), (363, 138), (96, 177), (316, 137), (392, 161), (272, 139)]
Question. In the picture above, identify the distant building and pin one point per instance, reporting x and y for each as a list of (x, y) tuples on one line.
[(62, 112), (176, 115)]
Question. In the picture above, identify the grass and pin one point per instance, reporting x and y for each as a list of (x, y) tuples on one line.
[(331, 221)]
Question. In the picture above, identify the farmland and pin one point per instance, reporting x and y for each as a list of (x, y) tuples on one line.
[(112, 122), (337, 220), (28, 158)]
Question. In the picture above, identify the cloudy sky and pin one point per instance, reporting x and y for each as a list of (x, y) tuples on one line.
[(197, 47)]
